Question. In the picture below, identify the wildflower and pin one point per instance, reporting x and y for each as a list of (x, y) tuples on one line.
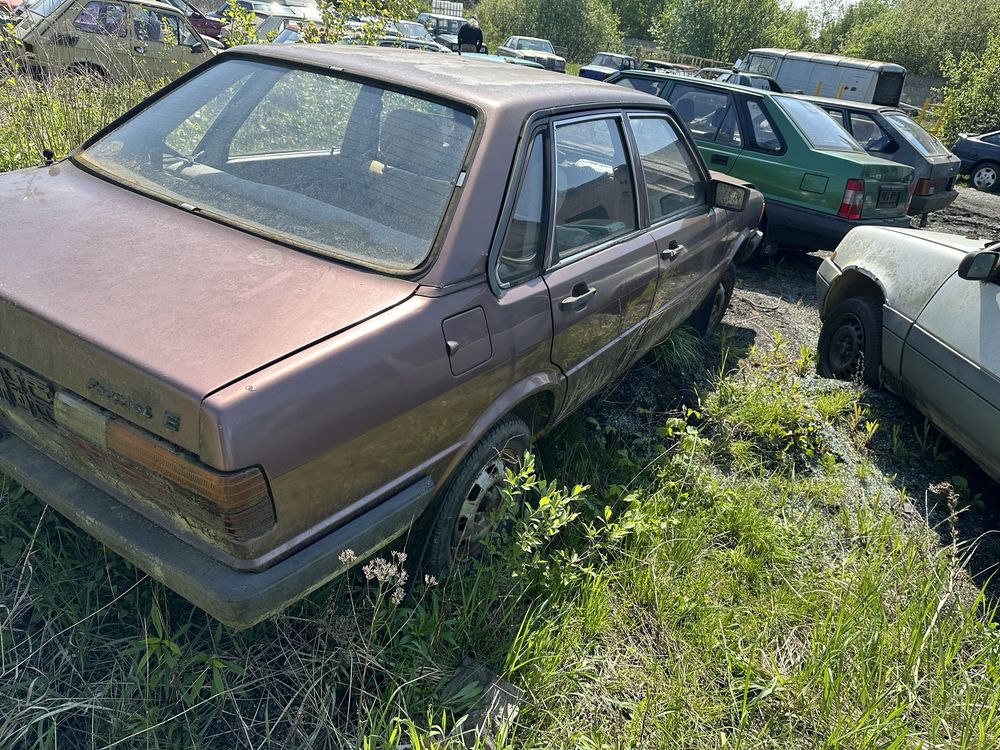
[(430, 581), (347, 556), (397, 596)]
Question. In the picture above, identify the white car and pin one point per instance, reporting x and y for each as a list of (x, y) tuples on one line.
[(918, 313)]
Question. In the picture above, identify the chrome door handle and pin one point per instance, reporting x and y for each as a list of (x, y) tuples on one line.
[(579, 300), (672, 250)]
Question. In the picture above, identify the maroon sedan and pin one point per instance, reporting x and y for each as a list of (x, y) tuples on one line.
[(308, 299)]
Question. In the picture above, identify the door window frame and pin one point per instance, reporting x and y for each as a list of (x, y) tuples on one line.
[(642, 220), (696, 159)]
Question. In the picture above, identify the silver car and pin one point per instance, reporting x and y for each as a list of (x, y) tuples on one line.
[(918, 313)]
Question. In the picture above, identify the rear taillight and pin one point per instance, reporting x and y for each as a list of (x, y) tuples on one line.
[(854, 199), (924, 187), (236, 504)]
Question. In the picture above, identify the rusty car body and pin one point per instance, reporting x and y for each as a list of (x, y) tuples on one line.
[(236, 343)]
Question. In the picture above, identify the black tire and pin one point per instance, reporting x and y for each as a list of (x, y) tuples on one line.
[(850, 342), (985, 176), (710, 313), (471, 497), (748, 254)]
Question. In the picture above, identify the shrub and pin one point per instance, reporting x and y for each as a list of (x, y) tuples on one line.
[(972, 92)]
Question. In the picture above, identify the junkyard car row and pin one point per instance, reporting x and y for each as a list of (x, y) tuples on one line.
[(359, 280)]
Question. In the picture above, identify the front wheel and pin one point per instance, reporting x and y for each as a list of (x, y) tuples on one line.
[(986, 176), (456, 528), (850, 342), (708, 316)]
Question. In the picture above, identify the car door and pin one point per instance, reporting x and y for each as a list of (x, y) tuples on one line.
[(763, 144), (710, 114), (688, 231), (602, 267), (951, 366), (162, 44), (91, 36)]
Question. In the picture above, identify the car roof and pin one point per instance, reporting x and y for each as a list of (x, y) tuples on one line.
[(532, 38), (848, 104), (481, 83), (659, 76)]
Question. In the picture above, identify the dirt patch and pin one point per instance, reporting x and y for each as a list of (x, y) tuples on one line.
[(778, 297)]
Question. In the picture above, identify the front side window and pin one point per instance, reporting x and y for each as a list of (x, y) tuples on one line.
[(154, 26), (709, 114), (303, 155), (816, 126), (595, 197), (107, 19), (524, 239), (673, 180), (765, 135)]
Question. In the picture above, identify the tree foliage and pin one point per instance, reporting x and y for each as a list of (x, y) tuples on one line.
[(582, 27), (972, 92)]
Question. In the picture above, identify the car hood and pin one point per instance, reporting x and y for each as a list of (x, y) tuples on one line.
[(146, 309)]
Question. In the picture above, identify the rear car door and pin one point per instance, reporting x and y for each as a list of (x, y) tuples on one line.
[(162, 44), (710, 114), (602, 267), (94, 37), (951, 365), (763, 143), (688, 231)]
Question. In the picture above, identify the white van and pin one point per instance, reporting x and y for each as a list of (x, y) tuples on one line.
[(833, 76)]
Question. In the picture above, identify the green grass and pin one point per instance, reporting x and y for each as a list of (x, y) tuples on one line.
[(732, 580)]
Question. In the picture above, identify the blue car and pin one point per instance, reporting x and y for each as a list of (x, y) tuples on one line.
[(980, 155), (606, 64)]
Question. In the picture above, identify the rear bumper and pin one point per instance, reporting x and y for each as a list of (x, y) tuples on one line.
[(925, 204), (793, 226), (237, 598)]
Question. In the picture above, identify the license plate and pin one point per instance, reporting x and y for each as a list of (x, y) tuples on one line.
[(24, 390), (888, 198)]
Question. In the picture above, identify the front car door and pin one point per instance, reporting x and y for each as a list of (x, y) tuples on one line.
[(711, 116), (602, 267), (688, 231), (91, 36), (951, 366)]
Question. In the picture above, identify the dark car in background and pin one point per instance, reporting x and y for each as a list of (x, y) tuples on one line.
[(606, 64), (980, 155), (817, 181), (206, 26), (739, 78), (892, 134), (443, 28), (373, 275)]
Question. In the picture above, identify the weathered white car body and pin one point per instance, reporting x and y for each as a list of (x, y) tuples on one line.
[(935, 329)]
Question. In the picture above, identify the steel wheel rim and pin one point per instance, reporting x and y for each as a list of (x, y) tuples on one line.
[(475, 516), (985, 177), (846, 347)]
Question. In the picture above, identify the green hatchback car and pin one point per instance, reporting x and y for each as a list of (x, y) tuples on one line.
[(817, 181)]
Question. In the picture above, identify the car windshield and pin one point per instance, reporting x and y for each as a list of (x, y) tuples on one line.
[(45, 7), (919, 138), (607, 61), (337, 166), (412, 29), (817, 127), (535, 45)]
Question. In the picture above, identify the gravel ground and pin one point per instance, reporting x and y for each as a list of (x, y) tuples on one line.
[(780, 296)]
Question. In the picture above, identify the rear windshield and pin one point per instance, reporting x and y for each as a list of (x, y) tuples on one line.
[(817, 127), (919, 138), (610, 61), (345, 168)]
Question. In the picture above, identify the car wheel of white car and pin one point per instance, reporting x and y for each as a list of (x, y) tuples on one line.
[(459, 524), (986, 176), (850, 342)]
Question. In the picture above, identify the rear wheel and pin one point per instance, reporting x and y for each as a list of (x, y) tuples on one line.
[(456, 528), (986, 176), (850, 342)]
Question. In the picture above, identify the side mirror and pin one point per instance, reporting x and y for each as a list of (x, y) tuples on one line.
[(728, 196), (979, 266), (197, 47)]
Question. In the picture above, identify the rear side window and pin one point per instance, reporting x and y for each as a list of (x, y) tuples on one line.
[(994, 139), (919, 138), (524, 239), (673, 180), (646, 85), (595, 197), (765, 135), (108, 19), (816, 126), (710, 114), (867, 132)]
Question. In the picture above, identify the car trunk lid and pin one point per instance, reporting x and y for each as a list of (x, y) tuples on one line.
[(144, 309), (887, 188)]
